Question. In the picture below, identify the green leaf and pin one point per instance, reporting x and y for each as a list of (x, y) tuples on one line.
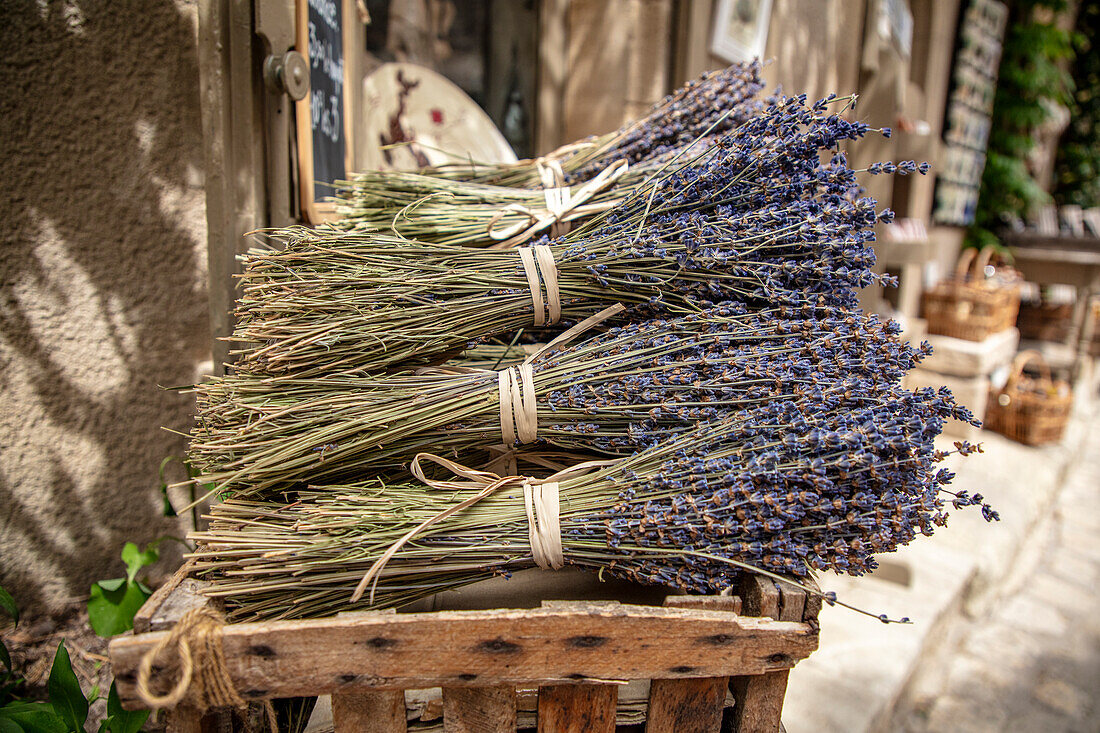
[(136, 559), (112, 605), (7, 605), (5, 657), (123, 721), (31, 717), (66, 696), (112, 584), (7, 689)]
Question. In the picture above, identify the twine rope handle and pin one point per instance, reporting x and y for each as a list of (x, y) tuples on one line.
[(541, 505), (562, 203), (197, 641)]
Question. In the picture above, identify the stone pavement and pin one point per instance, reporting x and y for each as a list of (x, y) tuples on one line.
[(1005, 633), (1032, 663)]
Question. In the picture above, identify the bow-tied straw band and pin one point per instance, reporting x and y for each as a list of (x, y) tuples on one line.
[(563, 204), (518, 420), (541, 500)]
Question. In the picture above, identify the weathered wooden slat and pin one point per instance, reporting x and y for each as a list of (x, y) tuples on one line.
[(759, 702), (577, 708), (692, 705), (759, 596), (479, 709), (188, 719), (183, 598), (792, 603), (168, 602), (381, 711), (686, 706), (469, 648), (813, 601), (184, 719), (729, 604), (759, 698)]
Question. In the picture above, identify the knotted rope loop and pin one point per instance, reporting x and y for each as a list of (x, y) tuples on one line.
[(197, 641), (541, 502)]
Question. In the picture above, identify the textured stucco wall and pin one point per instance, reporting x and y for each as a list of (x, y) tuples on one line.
[(102, 297)]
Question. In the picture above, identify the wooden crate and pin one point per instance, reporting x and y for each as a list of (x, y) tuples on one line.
[(695, 649)]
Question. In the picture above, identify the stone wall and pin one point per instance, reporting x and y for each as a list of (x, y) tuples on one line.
[(102, 300)]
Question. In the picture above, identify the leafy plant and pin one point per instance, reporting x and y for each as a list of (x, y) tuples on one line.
[(113, 603), (7, 605), (66, 697), (66, 710), (1030, 81), (1077, 167)]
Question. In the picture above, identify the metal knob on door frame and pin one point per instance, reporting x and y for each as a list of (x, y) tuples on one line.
[(287, 74)]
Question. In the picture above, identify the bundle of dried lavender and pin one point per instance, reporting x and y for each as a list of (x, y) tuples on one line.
[(616, 393), (441, 206), (717, 101), (785, 487), (747, 416), (758, 219)]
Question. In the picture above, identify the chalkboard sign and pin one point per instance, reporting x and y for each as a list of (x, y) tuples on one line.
[(324, 142)]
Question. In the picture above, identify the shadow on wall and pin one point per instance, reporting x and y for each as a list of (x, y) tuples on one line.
[(815, 46), (103, 301)]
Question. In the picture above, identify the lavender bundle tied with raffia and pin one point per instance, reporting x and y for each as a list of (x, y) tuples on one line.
[(716, 102), (783, 487), (615, 393), (441, 207), (758, 219)]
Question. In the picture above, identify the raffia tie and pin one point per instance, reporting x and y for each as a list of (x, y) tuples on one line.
[(563, 204), (197, 641), (519, 416), (542, 275), (541, 501)]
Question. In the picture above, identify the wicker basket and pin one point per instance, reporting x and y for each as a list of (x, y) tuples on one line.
[(972, 305), (1029, 410), (1045, 321)]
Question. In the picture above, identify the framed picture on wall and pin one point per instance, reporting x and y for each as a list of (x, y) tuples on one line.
[(741, 29)]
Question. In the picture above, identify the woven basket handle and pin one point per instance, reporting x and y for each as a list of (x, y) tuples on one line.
[(972, 263), (1023, 359), (966, 258)]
